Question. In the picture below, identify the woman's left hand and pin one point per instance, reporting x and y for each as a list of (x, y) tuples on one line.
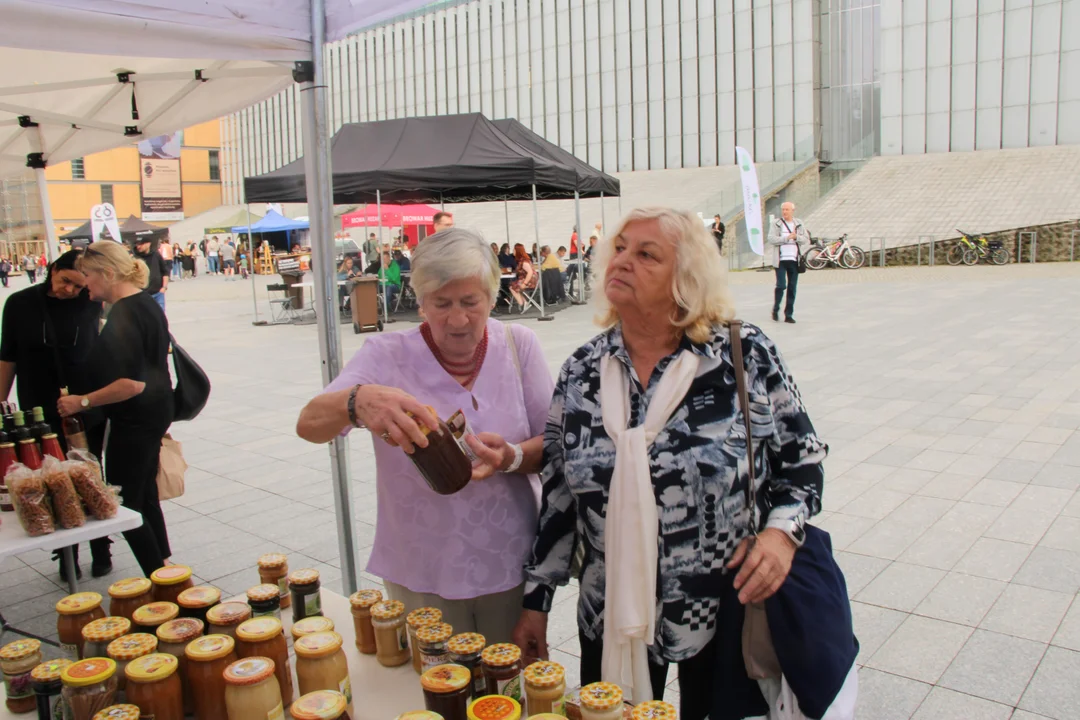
[(766, 568), (69, 405), (494, 453)]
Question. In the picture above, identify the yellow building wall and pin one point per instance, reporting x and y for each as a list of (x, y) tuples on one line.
[(208, 135), (200, 198), (194, 165)]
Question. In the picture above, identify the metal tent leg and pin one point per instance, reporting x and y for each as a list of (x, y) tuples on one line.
[(539, 268)]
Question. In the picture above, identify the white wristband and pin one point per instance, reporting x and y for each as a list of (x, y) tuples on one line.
[(518, 457)]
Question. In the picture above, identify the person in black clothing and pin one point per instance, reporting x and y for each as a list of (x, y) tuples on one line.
[(5, 270), (129, 366), (506, 259), (48, 333), (159, 270), (402, 261), (718, 231)]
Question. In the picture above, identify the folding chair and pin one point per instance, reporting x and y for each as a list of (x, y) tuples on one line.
[(281, 309), (406, 294), (531, 297)]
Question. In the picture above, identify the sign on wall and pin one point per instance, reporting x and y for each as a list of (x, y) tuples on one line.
[(159, 171)]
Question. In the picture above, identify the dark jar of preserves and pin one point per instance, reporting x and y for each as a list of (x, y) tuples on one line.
[(265, 601), (502, 670), (432, 641), (465, 650), (443, 464), (306, 599), (46, 682), (447, 689)]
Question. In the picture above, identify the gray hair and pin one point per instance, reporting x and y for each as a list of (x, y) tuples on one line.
[(453, 254)]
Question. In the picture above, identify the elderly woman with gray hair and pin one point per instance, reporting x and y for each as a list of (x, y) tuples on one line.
[(461, 553)]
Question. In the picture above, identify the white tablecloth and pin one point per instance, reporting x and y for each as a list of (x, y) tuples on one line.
[(15, 541)]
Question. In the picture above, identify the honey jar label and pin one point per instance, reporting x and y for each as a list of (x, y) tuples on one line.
[(345, 688), (459, 430), (70, 650), (402, 638), (278, 713), (283, 585), (18, 686), (430, 661), (313, 604), (510, 688)]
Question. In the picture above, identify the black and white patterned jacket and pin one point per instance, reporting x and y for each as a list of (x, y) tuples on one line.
[(699, 471)]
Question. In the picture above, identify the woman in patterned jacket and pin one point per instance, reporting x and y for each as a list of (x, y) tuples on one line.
[(645, 466)]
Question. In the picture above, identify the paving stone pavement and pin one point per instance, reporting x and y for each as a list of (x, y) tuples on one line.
[(950, 398)]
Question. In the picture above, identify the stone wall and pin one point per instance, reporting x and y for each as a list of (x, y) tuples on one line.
[(1053, 244)]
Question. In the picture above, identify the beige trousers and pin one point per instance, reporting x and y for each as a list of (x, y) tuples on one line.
[(493, 616)]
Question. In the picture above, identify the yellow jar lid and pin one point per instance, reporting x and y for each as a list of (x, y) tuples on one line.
[(546, 716), (180, 630), (249, 671), (270, 561), (262, 593), (313, 624), (419, 715), (317, 644), (130, 587), (466, 643), (88, 672), (304, 576), (230, 613), (495, 707), (545, 674), (365, 598), (437, 633), (151, 668), (210, 647), (501, 654), (50, 671), (258, 629), (319, 705), (424, 616), (387, 609), (171, 575), (19, 650), (155, 613), (106, 629), (132, 646), (199, 597), (654, 710), (601, 696), (446, 678), (79, 603), (119, 712)]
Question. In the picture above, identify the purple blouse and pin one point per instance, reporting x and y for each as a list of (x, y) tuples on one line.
[(477, 541)]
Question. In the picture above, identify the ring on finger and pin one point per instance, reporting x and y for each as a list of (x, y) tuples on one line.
[(386, 436)]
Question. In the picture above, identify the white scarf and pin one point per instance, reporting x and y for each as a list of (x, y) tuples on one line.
[(632, 529)]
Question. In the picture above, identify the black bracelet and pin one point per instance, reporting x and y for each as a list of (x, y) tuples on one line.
[(352, 407)]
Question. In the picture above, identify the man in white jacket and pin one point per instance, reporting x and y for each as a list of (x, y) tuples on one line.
[(787, 236)]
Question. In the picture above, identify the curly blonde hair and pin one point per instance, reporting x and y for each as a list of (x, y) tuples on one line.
[(699, 286), (115, 262)]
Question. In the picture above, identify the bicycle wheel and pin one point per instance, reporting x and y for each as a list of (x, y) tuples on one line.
[(957, 253), (853, 258), (970, 257), (999, 256), (815, 259)]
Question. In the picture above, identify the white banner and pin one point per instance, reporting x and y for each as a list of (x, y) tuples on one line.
[(751, 200), (103, 217)]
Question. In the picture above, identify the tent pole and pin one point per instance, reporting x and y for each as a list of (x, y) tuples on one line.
[(251, 265), (52, 245), (603, 216), (506, 214), (320, 196), (442, 205), (580, 249), (539, 269), (382, 268)]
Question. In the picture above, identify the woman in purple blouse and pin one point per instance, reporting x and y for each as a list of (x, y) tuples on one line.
[(461, 553)]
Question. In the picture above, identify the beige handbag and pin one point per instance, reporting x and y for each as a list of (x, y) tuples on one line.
[(171, 469)]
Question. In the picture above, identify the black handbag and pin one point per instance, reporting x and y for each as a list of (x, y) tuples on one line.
[(192, 385)]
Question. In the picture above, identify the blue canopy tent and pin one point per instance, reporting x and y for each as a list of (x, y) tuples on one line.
[(274, 222)]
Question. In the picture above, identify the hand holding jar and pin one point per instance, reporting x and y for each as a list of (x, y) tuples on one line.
[(388, 413)]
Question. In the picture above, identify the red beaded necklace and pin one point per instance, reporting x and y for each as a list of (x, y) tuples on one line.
[(468, 369)]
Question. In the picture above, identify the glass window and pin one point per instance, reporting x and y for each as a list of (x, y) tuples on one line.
[(215, 165), (107, 194), (78, 169)]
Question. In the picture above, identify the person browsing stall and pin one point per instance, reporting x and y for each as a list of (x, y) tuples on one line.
[(158, 279)]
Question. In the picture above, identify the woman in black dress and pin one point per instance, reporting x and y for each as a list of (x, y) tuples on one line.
[(130, 366)]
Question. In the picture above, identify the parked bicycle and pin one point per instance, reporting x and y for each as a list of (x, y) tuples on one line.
[(838, 253), (970, 249)]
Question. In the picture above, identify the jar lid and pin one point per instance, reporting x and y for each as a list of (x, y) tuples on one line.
[(446, 678), (601, 696), (495, 707), (501, 654), (317, 644), (466, 643), (119, 712), (155, 613), (19, 650), (545, 674), (230, 613), (199, 597), (171, 575), (365, 598), (258, 629), (270, 561), (130, 587), (263, 593), (437, 633), (180, 630), (49, 671), (654, 710), (249, 671), (424, 616), (210, 647), (132, 646), (419, 715), (106, 629), (151, 668), (313, 624), (319, 705), (305, 576), (88, 672), (79, 603), (387, 609)]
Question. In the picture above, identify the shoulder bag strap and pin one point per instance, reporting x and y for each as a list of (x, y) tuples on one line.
[(735, 329), (517, 360)]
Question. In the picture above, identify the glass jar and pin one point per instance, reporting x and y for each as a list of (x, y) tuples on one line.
[(150, 617), (274, 570), (432, 641), (125, 596), (601, 701), (265, 600), (17, 661), (153, 684), (321, 705), (495, 707), (207, 658), (545, 686), (251, 690), (264, 637), (98, 634), (195, 601), (73, 613), (47, 685), (446, 691), (360, 603), (654, 710), (306, 599), (416, 620), (391, 638), (89, 686), (125, 649), (419, 715), (501, 664), (226, 617), (465, 650), (173, 639), (119, 712), (170, 581), (442, 464), (321, 665), (313, 624)]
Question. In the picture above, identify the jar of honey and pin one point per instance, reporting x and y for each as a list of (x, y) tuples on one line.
[(125, 596), (195, 601), (432, 641), (360, 603), (251, 690), (465, 650), (153, 684), (654, 710), (321, 665), (419, 715), (148, 618), (17, 660), (391, 637), (416, 620), (313, 624), (127, 648), (306, 598), (264, 637), (226, 617), (265, 600), (173, 639), (601, 701), (501, 664), (88, 685), (274, 570), (170, 581), (73, 613), (495, 707), (98, 634), (545, 686), (446, 691), (119, 712), (320, 705), (207, 658)]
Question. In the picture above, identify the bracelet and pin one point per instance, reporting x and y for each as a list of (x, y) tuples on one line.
[(518, 457), (352, 407)]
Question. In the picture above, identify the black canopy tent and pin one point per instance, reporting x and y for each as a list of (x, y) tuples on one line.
[(133, 231), (83, 232)]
